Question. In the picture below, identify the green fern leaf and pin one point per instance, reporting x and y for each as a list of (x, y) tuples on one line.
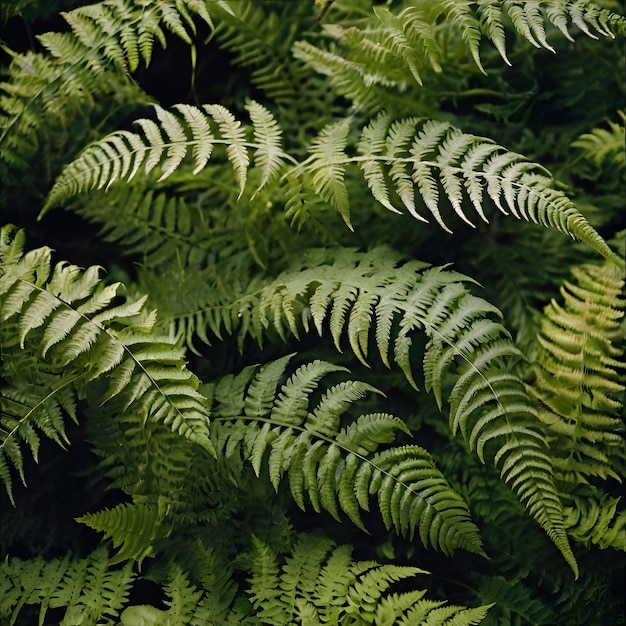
[(327, 167), (83, 346), (339, 470), (132, 527), (578, 371), (88, 589), (121, 155)]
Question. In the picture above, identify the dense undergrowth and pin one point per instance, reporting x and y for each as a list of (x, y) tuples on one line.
[(312, 312)]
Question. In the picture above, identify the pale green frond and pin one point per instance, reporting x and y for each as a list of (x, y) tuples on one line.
[(235, 138), (192, 132), (432, 157), (580, 371), (326, 165), (269, 156)]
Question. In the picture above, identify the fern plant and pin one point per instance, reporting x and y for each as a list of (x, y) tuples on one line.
[(280, 344)]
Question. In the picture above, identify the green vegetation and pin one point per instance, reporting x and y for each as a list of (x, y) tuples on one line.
[(312, 312)]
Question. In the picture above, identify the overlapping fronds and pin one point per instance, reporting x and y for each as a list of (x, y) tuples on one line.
[(320, 583), (125, 30), (66, 327), (376, 298), (123, 155), (434, 161), (388, 49), (89, 589), (337, 467), (209, 598), (399, 160), (260, 35), (580, 371), (89, 63)]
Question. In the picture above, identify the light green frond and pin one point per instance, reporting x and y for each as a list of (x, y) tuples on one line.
[(125, 31), (122, 155), (133, 529), (339, 470), (326, 166), (322, 581), (410, 160), (84, 346), (579, 371)]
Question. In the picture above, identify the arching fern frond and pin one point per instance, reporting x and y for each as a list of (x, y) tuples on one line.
[(65, 325), (579, 372), (337, 469), (397, 159), (376, 298), (194, 132), (433, 160), (320, 583)]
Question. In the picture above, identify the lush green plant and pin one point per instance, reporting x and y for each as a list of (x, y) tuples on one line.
[(280, 367)]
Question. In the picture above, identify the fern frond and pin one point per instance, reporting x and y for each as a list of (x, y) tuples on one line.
[(125, 31), (439, 161), (80, 343), (393, 50), (123, 154), (393, 301), (579, 372), (133, 528), (260, 37), (321, 583), (42, 91), (88, 589), (336, 469)]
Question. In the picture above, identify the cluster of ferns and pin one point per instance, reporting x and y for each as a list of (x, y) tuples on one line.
[(312, 312)]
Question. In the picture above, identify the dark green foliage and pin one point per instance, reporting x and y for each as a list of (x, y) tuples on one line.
[(360, 312)]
